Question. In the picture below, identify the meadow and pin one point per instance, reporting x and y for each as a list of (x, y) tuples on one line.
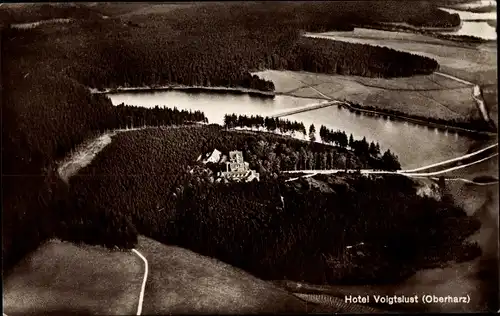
[(476, 63), (64, 278), (425, 96)]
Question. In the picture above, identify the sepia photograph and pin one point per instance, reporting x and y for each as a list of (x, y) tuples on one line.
[(249, 157)]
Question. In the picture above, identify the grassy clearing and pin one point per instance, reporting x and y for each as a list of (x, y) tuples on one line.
[(183, 282), (426, 96), (62, 277)]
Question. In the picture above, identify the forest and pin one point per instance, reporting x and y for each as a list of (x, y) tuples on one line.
[(47, 108), (142, 183), (136, 116), (142, 175), (304, 238), (241, 37), (367, 152)]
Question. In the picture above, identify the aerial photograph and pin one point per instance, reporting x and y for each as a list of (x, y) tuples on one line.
[(249, 157)]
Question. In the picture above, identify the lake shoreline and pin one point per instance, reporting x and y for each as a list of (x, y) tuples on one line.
[(423, 121), (193, 89), (419, 120)]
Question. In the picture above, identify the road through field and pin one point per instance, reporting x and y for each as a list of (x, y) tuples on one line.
[(476, 94)]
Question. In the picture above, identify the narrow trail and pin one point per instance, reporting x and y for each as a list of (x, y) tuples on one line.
[(31, 25), (143, 287), (86, 152), (454, 78)]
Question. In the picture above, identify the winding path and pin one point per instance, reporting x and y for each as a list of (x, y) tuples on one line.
[(81, 158), (143, 287)]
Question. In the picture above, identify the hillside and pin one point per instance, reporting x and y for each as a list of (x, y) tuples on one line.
[(144, 172), (150, 179), (63, 278)]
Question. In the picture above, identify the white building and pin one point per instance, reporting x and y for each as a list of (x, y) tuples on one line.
[(214, 157), (237, 169)]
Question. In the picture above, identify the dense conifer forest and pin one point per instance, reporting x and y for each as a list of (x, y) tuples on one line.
[(47, 108), (150, 182), (304, 238)]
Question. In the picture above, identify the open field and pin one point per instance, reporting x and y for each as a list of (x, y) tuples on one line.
[(62, 277), (427, 96), (183, 282), (475, 64)]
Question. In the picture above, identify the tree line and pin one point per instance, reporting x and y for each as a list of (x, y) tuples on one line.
[(269, 123), (368, 151), (137, 116), (371, 151)]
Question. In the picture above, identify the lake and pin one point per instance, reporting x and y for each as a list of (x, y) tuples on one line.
[(415, 145), (474, 24)]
